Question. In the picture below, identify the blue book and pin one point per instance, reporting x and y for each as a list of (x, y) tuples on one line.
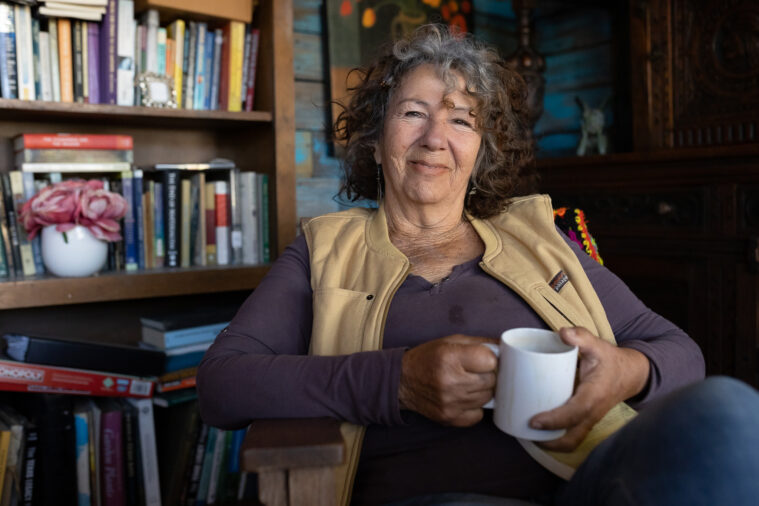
[(160, 245), (8, 84), (139, 222), (199, 92), (167, 339), (218, 38), (208, 68), (130, 231), (183, 361), (82, 437), (205, 474)]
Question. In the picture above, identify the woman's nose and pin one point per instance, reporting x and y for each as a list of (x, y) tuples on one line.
[(434, 135)]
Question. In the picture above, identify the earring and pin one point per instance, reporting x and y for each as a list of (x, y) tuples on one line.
[(379, 183)]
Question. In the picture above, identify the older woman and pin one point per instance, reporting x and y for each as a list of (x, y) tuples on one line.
[(375, 316)]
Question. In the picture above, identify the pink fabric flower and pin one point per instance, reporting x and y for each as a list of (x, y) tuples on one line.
[(75, 202)]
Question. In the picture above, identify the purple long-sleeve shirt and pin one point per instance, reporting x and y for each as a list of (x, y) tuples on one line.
[(259, 368)]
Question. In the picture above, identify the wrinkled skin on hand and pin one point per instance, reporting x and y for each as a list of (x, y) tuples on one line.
[(448, 380), (607, 375)]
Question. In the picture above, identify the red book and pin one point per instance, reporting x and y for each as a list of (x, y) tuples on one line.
[(224, 70), (251, 85), (24, 377), (72, 141)]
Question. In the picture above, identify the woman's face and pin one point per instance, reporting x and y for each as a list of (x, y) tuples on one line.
[(429, 142)]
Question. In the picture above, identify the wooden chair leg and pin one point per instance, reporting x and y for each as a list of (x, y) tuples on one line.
[(312, 486)]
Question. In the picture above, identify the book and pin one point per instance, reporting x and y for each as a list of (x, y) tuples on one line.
[(65, 61), (5, 441), (216, 72), (188, 73), (109, 54), (18, 424), (54, 155), (130, 227), (158, 224), (25, 245), (10, 226), (72, 141), (182, 337), (161, 51), (250, 90), (150, 19), (177, 380), (224, 70), (123, 359), (132, 471), (263, 218), (125, 47), (198, 218), (185, 222), (30, 189), (208, 459), (29, 464), (235, 217), (24, 52), (111, 454), (245, 63), (210, 214), (236, 54), (71, 13), (249, 209), (209, 49), (36, 58), (74, 167), (171, 209), (24, 377), (148, 452), (176, 32), (86, 60), (93, 63), (195, 470), (222, 229), (176, 429), (82, 428), (139, 222), (217, 464), (8, 78), (148, 207), (46, 82), (76, 52), (200, 73), (55, 70)]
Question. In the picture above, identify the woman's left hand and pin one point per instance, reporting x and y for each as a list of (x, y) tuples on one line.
[(607, 375)]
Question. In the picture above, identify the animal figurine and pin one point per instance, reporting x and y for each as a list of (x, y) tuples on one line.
[(593, 137)]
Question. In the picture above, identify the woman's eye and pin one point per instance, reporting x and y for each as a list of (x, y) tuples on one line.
[(462, 122), (413, 114)]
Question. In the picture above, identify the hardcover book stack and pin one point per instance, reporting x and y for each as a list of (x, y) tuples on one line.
[(91, 51), (85, 435)]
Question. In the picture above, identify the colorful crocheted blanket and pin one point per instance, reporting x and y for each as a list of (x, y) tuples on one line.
[(572, 222)]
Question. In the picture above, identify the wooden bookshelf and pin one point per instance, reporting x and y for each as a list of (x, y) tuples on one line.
[(262, 140)]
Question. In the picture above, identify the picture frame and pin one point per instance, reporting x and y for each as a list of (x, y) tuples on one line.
[(157, 90)]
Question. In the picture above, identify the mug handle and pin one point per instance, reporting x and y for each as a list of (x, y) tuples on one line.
[(497, 352)]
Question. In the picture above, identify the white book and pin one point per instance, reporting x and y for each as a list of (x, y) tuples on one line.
[(249, 217), (222, 222), (216, 464), (45, 72), (76, 7), (55, 73), (68, 13), (79, 2), (151, 41), (125, 47), (148, 453), (24, 53), (235, 216), (75, 167)]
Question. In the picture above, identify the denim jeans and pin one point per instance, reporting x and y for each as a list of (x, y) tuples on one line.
[(697, 446)]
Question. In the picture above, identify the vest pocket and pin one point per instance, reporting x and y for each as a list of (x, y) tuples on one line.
[(561, 306), (339, 320)]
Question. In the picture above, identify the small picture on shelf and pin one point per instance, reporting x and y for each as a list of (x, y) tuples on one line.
[(157, 90)]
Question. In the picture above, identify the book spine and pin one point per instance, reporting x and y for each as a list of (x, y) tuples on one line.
[(161, 51), (10, 227), (29, 189), (76, 45), (209, 48), (224, 70), (249, 213), (55, 70), (171, 206), (74, 156), (189, 77), (130, 227), (264, 218), (170, 339), (125, 47), (235, 217), (217, 466), (151, 20), (93, 62), (185, 220), (148, 209), (221, 197), (25, 245), (81, 430), (73, 141), (111, 458), (21, 377), (130, 452), (8, 77), (159, 247), (197, 465), (245, 63), (148, 451), (66, 60), (4, 266), (86, 61), (29, 466), (236, 50), (198, 219), (178, 36), (24, 53), (5, 441), (210, 199), (36, 58), (218, 40), (139, 223), (205, 473), (108, 53), (45, 75), (75, 167), (251, 88), (200, 50)]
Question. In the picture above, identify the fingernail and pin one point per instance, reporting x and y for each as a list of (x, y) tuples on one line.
[(536, 425)]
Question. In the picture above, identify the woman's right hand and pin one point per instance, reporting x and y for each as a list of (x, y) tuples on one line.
[(448, 380)]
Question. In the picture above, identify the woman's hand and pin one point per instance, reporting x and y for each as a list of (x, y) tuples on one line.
[(607, 375), (449, 379)]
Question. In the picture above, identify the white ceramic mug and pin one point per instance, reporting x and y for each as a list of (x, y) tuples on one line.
[(536, 373)]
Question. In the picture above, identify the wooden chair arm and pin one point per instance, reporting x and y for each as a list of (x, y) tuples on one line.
[(294, 460)]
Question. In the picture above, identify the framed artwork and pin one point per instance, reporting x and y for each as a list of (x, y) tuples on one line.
[(358, 28)]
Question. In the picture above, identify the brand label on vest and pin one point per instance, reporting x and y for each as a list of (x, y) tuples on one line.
[(558, 281)]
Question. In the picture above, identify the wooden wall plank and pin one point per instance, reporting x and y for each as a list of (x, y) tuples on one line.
[(310, 106), (316, 196), (307, 16), (307, 54), (304, 157)]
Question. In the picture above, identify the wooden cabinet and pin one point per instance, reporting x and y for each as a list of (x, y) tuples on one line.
[(106, 307), (681, 228)]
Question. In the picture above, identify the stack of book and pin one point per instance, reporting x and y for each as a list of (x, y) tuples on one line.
[(85, 433), (44, 55), (73, 153)]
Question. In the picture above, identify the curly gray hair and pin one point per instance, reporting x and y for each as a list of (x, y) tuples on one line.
[(501, 113)]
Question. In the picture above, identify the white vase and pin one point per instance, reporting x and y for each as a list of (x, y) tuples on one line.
[(82, 255)]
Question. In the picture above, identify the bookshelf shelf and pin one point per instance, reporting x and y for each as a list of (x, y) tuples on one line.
[(52, 111), (50, 291)]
